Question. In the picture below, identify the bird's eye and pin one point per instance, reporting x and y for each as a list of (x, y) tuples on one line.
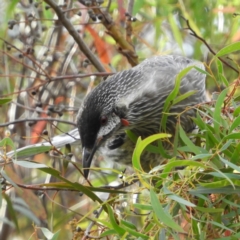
[(103, 120)]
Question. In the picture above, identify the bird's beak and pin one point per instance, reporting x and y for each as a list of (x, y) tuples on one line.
[(87, 156)]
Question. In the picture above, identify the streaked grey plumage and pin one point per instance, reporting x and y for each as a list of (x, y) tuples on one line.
[(134, 99)]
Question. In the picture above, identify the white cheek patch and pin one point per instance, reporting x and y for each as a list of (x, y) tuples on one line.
[(113, 124)]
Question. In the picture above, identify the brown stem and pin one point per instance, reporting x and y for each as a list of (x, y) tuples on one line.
[(193, 33), (72, 31)]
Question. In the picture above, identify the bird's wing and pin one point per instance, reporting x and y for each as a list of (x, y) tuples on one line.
[(160, 74)]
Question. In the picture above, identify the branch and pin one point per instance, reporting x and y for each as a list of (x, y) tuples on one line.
[(72, 31), (125, 48), (193, 33), (36, 120), (70, 77)]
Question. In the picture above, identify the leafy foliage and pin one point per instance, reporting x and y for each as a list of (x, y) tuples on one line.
[(194, 194)]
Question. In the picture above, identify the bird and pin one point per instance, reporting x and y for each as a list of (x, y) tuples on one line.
[(133, 99)]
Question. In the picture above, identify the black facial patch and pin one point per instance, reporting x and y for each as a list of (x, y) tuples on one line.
[(89, 125), (117, 142)]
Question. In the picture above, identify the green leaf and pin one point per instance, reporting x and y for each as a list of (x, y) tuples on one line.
[(225, 175), (160, 213), (49, 235), (210, 210), (131, 228), (236, 111), (202, 156), (5, 176), (172, 96), (224, 80), (167, 168), (107, 233), (219, 66), (224, 190), (8, 222), (77, 186), (31, 151), (26, 212), (235, 124), (231, 165), (231, 203), (12, 213), (203, 71), (235, 154), (137, 6), (56, 235), (217, 118), (128, 224), (181, 200), (188, 142), (113, 221), (11, 6), (7, 142), (176, 197), (5, 100), (136, 156), (199, 121), (176, 141), (143, 206), (134, 138), (162, 151), (236, 97), (220, 184), (226, 145), (106, 223), (141, 145), (176, 31), (211, 138), (221, 226), (134, 233), (232, 136), (229, 49), (183, 96), (28, 164)]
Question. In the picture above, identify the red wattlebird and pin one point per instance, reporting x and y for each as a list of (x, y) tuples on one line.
[(134, 99)]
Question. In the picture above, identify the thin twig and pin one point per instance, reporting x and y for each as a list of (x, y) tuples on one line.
[(70, 77), (86, 234), (97, 74), (129, 21), (40, 187), (124, 47), (37, 120), (72, 31), (40, 110), (27, 56), (193, 33)]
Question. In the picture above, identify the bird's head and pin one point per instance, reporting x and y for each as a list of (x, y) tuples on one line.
[(98, 119)]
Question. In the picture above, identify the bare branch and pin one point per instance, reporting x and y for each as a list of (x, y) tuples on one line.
[(37, 120), (125, 48), (193, 33), (72, 31)]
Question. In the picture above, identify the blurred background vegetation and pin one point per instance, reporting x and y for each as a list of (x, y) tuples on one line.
[(52, 54)]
